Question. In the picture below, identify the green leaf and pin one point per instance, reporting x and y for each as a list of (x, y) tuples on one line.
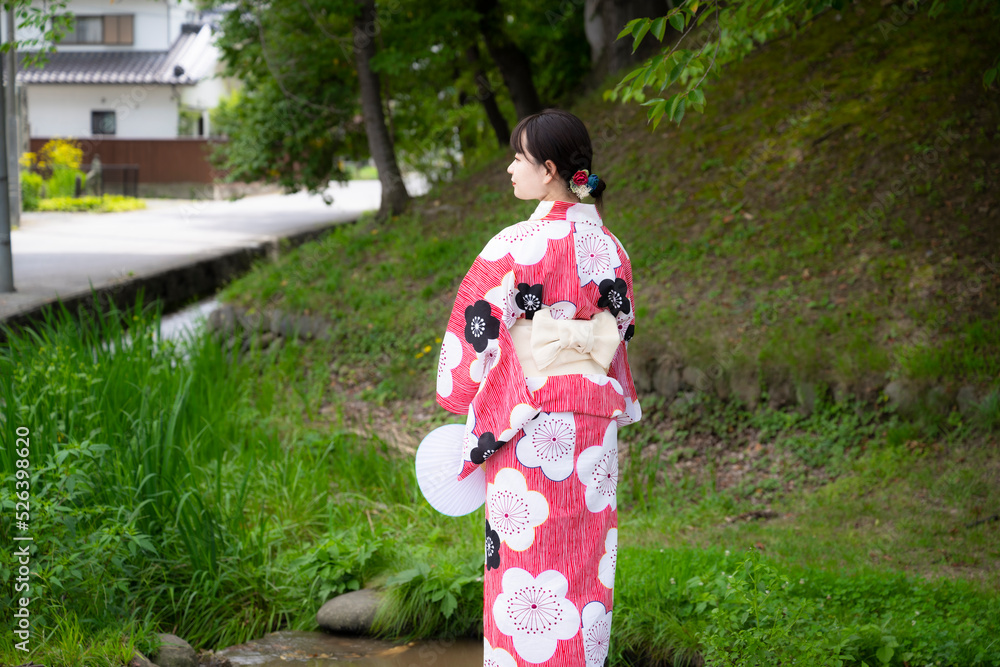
[(675, 73), (659, 27), (655, 100), (640, 32), (677, 21), (628, 27), (696, 96), (677, 112), (657, 113), (403, 577), (449, 605), (650, 71), (884, 654), (989, 77), (631, 75)]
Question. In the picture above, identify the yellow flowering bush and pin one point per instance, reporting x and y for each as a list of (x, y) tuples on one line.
[(51, 172), (55, 154)]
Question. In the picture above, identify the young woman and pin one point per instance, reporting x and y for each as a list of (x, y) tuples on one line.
[(535, 356)]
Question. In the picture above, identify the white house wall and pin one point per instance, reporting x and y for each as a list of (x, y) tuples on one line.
[(156, 26), (206, 93), (142, 112)]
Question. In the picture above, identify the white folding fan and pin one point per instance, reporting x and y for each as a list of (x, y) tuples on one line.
[(438, 463)]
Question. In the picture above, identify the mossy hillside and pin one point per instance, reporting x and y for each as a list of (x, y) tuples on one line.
[(742, 224)]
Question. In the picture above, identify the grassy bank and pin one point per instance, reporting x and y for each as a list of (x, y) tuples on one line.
[(175, 489), (830, 220)]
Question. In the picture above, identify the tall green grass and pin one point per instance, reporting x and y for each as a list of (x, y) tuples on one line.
[(168, 493), (163, 496)]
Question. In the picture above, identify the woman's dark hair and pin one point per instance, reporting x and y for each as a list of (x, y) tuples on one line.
[(557, 135)]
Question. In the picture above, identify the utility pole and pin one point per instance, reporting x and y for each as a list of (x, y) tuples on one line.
[(13, 144), (6, 258)]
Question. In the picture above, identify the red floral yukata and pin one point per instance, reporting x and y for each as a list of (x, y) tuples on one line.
[(548, 445)]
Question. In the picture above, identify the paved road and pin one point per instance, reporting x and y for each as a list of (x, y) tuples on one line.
[(58, 253)]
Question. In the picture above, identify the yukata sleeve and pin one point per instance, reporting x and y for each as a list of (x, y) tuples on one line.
[(620, 370), (479, 374)]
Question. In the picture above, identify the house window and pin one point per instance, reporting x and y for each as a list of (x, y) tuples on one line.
[(118, 29), (102, 122), (113, 29)]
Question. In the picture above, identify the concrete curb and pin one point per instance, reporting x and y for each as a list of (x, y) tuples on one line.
[(176, 286)]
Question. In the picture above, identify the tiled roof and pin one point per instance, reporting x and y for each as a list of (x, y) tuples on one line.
[(190, 59)]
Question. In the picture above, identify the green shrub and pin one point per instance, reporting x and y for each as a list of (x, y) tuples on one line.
[(342, 563), (754, 621), (32, 187), (439, 596), (683, 605), (62, 183), (90, 203)]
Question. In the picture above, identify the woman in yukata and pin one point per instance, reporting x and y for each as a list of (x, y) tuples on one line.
[(535, 357)]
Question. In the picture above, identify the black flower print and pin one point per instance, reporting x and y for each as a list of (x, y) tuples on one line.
[(528, 298), (613, 296), (480, 325), (492, 548), (629, 332), (484, 450)]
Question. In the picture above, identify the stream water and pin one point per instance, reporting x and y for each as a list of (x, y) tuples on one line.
[(318, 649), (173, 325)]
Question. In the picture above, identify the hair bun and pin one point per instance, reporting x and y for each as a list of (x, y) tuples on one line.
[(601, 185)]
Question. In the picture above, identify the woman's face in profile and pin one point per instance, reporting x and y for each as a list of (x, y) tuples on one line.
[(527, 177)]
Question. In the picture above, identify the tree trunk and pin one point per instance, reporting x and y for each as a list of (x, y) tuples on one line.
[(394, 195), (604, 19), (488, 99), (513, 63)]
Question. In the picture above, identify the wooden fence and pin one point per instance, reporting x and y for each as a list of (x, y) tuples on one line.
[(182, 160)]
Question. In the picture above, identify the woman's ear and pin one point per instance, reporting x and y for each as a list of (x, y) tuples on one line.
[(550, 171)]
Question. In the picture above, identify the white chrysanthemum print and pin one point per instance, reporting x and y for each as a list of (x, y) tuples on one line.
[(534, 611), (519, 416), (484, 361), (596, 633), (562, 310), (597, 468), (609, 561), (514, 511), (596, 256), (548, 442), (502, 296), (496, 657), (526, 241), (450, 358)]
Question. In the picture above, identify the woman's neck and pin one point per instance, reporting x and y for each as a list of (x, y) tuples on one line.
[(564, 194)]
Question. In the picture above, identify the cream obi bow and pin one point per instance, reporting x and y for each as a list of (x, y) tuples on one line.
[(597, 338)]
